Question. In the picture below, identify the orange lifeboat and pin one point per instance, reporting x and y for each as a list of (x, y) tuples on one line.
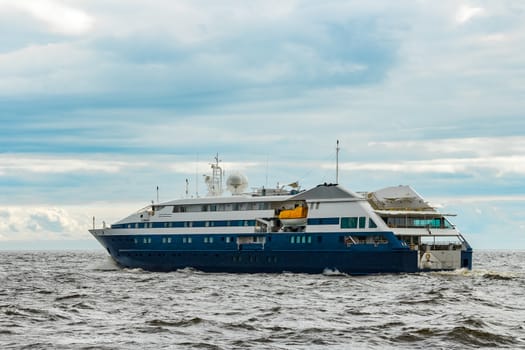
[(294, 217)]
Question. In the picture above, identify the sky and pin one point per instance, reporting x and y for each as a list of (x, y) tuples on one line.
[(103, 101)]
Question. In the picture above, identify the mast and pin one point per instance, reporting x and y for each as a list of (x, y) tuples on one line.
[(215, 181), (337, 163)]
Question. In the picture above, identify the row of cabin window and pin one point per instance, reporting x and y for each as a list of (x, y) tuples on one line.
[(357, 222), (220, 207), (185, 240), (345, 222), (301, 239), (418, 222), (293, 239), (226, 207), (217, 223)]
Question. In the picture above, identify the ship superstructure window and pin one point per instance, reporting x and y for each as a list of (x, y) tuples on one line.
[(301, 239), (419, 222), (323, 221), (349, 222), (242, 206), (179, 209), (208, 239), (186, 240), (356, 222)]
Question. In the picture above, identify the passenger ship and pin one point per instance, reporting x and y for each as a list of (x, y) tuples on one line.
[(328, 227)]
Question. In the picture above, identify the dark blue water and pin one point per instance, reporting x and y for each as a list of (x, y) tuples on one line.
[(81, 300)]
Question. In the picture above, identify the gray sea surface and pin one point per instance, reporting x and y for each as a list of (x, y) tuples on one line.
[(82, 300)]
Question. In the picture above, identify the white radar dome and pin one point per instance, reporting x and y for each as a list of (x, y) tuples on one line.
[(236, 183)]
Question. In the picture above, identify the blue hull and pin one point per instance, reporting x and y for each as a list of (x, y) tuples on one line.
[(275, 262), (275, 257)]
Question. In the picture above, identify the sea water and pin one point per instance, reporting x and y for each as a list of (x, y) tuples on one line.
[(82, 300)]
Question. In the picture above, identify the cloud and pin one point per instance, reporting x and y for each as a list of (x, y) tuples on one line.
[(466, 13), (205, 51), (498, 166), (11, 164), (32, 223), (58, 18)]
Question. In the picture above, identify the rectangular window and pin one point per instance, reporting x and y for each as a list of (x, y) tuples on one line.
[(205, 239), (350, 222), (292, 239), (179, 209), (210, 240), (362, 222)]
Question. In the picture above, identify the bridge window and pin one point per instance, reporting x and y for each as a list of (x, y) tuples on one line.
[(371, 223), (362, 222), (350, 222)]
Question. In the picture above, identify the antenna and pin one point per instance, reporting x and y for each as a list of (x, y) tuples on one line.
[(187, 184), (157, 194), (266, 170), (337, 163), (197, 177), (214, 181)]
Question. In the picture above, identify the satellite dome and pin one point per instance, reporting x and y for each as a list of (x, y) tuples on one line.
[(236, 183)]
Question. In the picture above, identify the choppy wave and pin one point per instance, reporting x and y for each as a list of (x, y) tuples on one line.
[(489, 274), (76, 300)]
